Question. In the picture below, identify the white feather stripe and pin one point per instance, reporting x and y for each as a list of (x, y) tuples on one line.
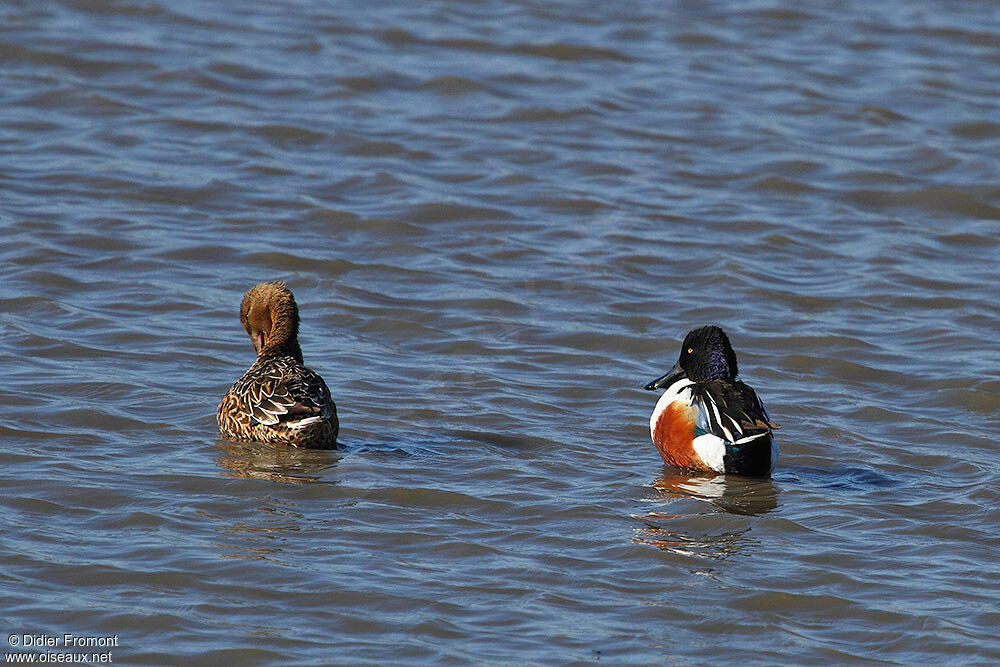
[(715, 422), (715, 410), (736, 431), (749, 438), (302, 423), (719, 415)]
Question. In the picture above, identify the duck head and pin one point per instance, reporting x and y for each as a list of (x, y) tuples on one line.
[(270, 317), (706, 354)]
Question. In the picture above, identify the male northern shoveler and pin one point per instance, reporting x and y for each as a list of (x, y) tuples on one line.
[(277, 399), (707, 420)]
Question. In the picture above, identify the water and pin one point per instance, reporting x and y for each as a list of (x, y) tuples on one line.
[(499, 221)]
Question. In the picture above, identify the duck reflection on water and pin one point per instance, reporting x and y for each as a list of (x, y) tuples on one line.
[(264, 527), (682, 532), (735, 494), (258, 460)]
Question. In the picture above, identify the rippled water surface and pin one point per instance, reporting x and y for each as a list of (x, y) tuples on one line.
[(499, 220)]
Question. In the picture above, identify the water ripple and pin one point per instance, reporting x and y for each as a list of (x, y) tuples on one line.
[(499, 222)]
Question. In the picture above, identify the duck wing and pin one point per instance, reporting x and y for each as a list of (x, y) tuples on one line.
[(731, 410), (283, 390)]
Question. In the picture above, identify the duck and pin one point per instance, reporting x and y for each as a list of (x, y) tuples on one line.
[(707, 420), (278, 399)]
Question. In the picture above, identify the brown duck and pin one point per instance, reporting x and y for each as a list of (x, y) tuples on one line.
[(278, 399)]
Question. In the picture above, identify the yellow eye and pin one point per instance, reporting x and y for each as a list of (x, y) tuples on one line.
[(690, 350)]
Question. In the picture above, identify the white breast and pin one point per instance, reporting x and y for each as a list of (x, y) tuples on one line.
[(710, 448), (678, 391)]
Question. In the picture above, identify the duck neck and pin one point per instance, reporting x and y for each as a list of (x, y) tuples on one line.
[(285, 349), (284, 336)]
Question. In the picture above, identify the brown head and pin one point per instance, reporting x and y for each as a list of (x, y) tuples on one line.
[(271, 319)]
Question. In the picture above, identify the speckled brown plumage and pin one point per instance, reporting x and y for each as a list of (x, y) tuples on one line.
[(278, 399)]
